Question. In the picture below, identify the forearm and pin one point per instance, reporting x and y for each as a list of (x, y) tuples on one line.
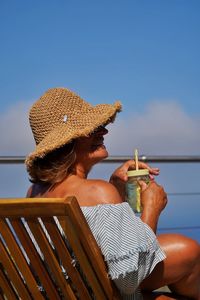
[(150, 219)]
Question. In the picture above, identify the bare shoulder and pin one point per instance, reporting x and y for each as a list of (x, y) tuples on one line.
[(29, 192), (103, 191)]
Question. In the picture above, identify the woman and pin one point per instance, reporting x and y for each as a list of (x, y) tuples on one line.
[(69, 135)]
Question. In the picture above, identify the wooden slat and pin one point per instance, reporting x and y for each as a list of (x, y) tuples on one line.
[(6, 287), (66, 258), (74, 240), (50, 258), (20, 260), (13, 273), (28, 207), (35, 260), (81, 241), (1, 297), (91, 248)]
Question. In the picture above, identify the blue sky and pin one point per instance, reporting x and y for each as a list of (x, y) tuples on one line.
[(144, 53)]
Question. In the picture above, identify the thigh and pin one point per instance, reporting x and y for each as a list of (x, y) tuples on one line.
[(181, 255)]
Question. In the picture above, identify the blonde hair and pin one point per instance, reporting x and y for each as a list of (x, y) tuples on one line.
[(54, 166)]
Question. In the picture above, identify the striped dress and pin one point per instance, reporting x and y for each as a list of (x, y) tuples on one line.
[(129, 246)]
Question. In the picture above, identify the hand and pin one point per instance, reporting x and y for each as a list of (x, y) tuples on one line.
[(153, 201), (121, 172), (153, 197), (119, 176)]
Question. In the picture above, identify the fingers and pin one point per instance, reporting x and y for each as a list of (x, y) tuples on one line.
[(154, 197), (121, 172), (143, 185), (130, 165), (153, 171), (162, 191)]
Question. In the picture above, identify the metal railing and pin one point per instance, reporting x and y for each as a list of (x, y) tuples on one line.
[(121, 159), (144, 158)]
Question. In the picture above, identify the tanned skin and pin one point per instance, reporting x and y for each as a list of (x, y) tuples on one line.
[(181, 269)]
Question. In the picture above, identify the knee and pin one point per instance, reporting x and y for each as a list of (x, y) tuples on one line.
[(191, 249), (182, 247)]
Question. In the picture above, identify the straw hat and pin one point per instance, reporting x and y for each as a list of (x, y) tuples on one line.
[(60, 116)]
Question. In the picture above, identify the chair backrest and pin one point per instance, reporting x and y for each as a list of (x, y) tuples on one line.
[(41, 260)]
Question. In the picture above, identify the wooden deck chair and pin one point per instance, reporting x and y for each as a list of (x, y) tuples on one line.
[(38, 262)]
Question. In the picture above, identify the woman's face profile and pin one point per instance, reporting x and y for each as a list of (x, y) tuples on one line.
[(92, 148)]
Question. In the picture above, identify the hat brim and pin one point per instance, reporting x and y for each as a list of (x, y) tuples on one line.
[(63, 134)]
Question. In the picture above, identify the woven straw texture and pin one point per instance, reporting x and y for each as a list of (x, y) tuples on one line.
[(60, 116)]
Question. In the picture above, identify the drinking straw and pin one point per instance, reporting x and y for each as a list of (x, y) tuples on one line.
[(136, 159)]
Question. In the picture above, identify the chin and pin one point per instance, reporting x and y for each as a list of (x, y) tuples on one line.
[(101, 154), (104, 153)]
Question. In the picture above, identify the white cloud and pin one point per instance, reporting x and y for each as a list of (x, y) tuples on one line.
[(163, 128), (15, 134)]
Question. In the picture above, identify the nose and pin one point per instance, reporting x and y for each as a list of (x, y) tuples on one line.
[(101, 130)]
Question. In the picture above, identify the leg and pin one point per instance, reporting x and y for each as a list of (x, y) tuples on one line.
[(161, 296), (180, 270)]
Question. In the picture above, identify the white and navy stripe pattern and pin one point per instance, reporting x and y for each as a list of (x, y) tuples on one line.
[(129, 246)]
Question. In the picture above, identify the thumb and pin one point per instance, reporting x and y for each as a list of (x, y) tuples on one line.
[(142, 185)]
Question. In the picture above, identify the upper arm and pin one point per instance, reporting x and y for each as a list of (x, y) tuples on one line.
[(104, 192), (29, 192)]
